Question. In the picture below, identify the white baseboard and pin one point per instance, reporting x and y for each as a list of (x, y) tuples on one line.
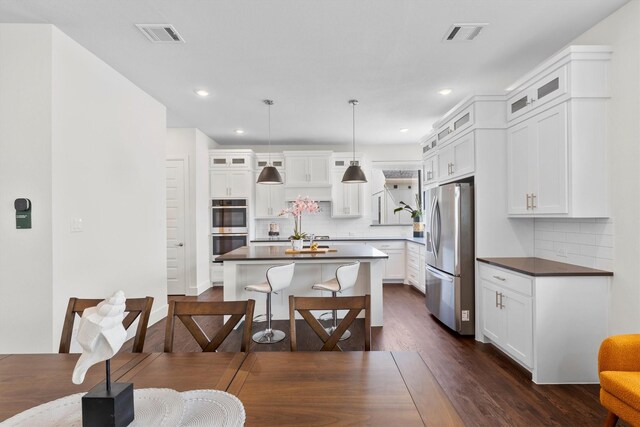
[(197, 290)]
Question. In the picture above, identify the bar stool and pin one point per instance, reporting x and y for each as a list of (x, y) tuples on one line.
[(278, 277), (346, 276)]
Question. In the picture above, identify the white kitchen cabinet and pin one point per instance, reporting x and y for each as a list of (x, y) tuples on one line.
[(457, 159), (270, 199), (538, 170), (507, 313), (394, 266), (230, 183), (236, 159), (347, 200), (557, 137), (308, 169), (537, 94), (552, 325), (415, 265), (277, 161), (456, 125), (430, 170)]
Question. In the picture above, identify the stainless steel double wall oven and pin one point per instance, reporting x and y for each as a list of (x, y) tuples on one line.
[(229, 225)]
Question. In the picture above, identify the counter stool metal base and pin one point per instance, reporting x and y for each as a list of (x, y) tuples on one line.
[(334, 319), (268, 336), (345, 336)]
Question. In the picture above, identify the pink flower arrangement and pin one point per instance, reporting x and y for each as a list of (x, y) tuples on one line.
[(298, 206)]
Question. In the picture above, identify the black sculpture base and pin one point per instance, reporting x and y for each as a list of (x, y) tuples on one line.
[(101, 408)]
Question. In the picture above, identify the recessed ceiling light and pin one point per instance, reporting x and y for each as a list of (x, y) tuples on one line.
[(239, 131), (404, 130), (445, 91), (201, 92)]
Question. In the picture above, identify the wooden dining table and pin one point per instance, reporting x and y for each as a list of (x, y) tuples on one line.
[(276, 388)]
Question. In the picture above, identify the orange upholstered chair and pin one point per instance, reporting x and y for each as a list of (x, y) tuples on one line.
[(619, 369)]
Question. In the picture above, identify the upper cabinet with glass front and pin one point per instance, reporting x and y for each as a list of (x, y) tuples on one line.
[(576, 72), (237, 159)]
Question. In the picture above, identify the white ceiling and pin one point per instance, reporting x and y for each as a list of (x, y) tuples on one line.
[(312, 56)]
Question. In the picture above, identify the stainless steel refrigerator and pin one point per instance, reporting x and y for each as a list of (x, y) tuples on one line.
[(450, 265)]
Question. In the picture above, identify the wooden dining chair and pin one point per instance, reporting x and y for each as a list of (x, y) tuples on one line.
[(355, 305), (135, 307), (185, 311)]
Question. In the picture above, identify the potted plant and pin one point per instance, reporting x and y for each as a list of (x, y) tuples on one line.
[(298, 206), (416, 214)]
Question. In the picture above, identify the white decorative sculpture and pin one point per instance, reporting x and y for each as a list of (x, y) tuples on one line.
[(100, 334)]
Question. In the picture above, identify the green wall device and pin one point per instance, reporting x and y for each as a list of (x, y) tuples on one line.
[(23, 213)]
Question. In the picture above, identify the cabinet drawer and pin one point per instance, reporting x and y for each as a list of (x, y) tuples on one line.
[(413, 248), (412, 261), (413, 276), (507, 279), (387, 245)]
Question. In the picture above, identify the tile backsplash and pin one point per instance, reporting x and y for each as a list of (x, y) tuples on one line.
[(322, 223), (587, 242)]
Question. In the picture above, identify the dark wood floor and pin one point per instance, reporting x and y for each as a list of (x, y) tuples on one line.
[(486, 387)]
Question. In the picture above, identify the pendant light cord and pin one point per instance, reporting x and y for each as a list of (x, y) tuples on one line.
[(269, 134), (269, 103), (353, 104)]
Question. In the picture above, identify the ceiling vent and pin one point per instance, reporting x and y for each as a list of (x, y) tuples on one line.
[(463, 32), (160, 33)]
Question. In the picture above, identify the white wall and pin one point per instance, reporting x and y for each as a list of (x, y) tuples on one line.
[(202, 144), (25, 171), (621, 30), (191, 145), (105, 140)]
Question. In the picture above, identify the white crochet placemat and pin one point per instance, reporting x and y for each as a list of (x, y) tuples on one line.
[(157, 407)]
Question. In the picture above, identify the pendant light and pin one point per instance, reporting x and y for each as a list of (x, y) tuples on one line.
[(269, 174), (354, 174)]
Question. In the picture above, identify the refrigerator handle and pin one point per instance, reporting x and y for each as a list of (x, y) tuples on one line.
[(432, 225), (438, 226), (439, 274)]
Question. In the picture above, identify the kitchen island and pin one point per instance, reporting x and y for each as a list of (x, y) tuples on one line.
[(248, 265)]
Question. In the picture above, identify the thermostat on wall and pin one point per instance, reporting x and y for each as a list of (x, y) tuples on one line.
[(23, 213)]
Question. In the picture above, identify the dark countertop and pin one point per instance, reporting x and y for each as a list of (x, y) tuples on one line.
[(262, 253), (419, 240), (539, 267)]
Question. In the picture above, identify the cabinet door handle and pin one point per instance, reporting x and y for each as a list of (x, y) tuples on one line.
[(533, 201), (453, 168), (499, 278), (497, 305), (528, 207), (501, 305)]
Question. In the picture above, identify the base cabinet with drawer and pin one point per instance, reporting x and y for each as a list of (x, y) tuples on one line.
[(552, 325), (394, 266)]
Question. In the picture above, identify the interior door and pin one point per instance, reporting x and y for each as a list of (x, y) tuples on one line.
[(176, 272)]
